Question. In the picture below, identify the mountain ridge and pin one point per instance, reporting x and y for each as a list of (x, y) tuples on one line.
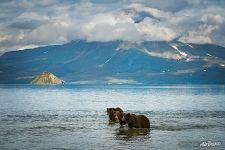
[(118, 62)]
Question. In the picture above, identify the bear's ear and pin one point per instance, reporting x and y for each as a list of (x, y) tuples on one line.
[(128, 115)]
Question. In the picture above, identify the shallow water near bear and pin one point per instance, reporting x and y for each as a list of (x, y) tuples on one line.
[(74, 117)]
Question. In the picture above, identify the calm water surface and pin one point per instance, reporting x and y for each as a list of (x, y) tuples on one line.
[(74, 117)]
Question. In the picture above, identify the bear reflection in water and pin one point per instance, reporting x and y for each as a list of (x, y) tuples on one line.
[(131, 132), (137, 124)]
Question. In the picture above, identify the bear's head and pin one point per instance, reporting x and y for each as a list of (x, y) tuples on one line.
[(111, 113), (118, 109), (128, 117)]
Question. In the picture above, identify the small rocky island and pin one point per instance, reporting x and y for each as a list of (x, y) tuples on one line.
[(46, 78)]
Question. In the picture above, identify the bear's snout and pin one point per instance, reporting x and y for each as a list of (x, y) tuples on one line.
[(123, 118)]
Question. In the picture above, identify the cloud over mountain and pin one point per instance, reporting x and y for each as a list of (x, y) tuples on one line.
[(29, 23)]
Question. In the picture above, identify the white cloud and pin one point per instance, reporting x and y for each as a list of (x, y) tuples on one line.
[(26, 16), (153, 11), (119, 31), (58, 22), (212, 19), (200, 36), (108, 27), (99, 19), (154, 31), (53, 32)]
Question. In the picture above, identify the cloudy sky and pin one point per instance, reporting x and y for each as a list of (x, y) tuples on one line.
[(32, 23)]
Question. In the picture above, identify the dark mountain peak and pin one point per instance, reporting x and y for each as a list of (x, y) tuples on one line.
[(146, 62)]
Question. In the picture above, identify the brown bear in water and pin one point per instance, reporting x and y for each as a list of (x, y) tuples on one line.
[(111, 113), (136, 121)]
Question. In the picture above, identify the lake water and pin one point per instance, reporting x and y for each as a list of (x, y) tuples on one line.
[(74, 117)]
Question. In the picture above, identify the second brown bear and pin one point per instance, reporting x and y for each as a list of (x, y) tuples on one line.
[(136, 121)]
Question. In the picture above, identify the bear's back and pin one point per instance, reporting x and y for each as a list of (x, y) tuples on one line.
[(144, 121)]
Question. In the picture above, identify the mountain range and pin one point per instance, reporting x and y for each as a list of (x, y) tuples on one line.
[(118, 62)]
